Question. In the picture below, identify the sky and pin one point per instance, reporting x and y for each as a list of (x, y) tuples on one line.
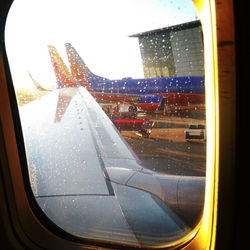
[(98, 29)]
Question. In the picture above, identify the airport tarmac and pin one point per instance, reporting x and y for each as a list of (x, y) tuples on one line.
[(166, 150)]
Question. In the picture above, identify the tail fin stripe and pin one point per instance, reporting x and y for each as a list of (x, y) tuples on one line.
[(63, 76)]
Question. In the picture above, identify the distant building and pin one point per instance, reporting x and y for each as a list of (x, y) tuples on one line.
[(172, 51)]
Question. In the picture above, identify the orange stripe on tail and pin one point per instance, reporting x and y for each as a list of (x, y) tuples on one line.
[(63, 77), (78, 68)]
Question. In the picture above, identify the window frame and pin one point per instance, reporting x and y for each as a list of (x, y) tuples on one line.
[(21, 220)]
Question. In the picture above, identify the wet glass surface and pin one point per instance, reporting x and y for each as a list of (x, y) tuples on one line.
[(114, 120)]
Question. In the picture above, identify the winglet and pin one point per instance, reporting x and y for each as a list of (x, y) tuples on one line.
[(63, 77)]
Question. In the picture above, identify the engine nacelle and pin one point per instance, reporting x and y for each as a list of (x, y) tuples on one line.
[(183, 194)]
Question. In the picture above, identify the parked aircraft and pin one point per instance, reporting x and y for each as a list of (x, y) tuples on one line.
[(148, 94), (128, 121)]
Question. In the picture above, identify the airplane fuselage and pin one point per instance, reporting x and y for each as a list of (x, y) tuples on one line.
[(149, 93)]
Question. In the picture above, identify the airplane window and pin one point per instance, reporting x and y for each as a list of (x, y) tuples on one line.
[(111, 97)]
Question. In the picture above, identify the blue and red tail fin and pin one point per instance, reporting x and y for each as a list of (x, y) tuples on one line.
[(79, 69), (63, 76)]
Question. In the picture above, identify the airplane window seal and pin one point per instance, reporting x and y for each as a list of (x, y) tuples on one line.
[(66, 238)]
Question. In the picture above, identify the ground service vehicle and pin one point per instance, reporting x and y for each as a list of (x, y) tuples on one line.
[(195, 132)]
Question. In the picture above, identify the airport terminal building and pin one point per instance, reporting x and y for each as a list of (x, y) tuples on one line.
[(172, 51)]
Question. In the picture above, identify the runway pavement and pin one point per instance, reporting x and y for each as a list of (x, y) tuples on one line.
[(166, 150)]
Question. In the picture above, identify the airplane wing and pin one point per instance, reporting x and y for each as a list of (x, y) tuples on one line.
[(82, 174)]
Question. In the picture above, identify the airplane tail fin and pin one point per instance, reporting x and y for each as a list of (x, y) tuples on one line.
[(36, 83), (79, 69), (63, 76)]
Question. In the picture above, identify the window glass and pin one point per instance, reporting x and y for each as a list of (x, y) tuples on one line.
[(111, 97)]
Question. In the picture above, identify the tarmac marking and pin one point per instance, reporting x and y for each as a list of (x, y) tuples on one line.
[(181, 153)]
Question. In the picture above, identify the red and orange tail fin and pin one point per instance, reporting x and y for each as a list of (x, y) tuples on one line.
[(63, 77), (78, 68)]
